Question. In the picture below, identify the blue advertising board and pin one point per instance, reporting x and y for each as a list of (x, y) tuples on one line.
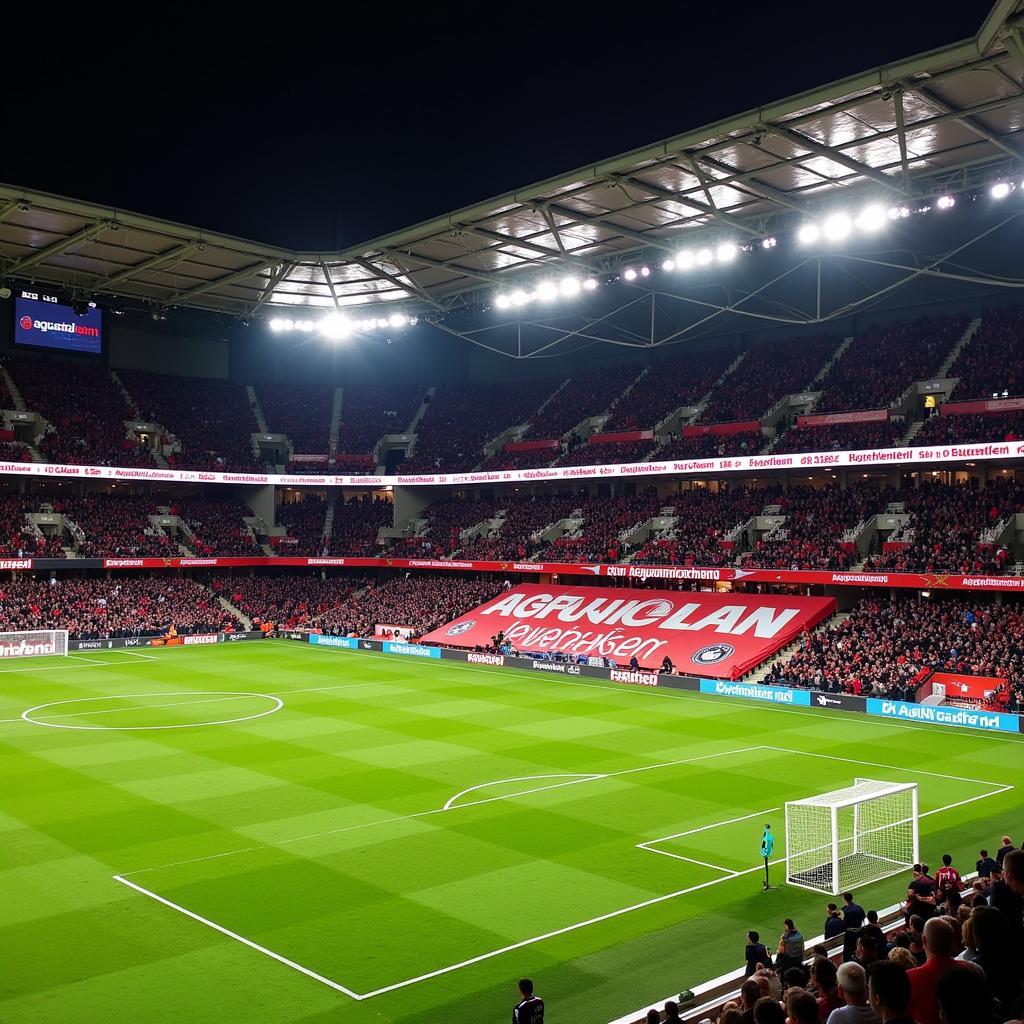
[(942, 714), (412, 650), (751, 691), (321, 640)]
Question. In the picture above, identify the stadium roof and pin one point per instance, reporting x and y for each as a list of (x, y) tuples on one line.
[(941, 120)]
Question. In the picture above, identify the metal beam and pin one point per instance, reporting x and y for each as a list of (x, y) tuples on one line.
[(901, 135), (751, 183), (268, 292), (183, 297), (452, 268), (834, 155), (636, 236), (675, 197), (406, 286), (80, 237), (553, 228), (162, 261), (962, 117), (8, 208)]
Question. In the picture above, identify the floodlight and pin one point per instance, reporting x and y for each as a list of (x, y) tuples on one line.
[(769, 243), (837, 227), (398, 320), (546, 291), (335, 327), (704, 257), (898, 212), (945, 202), (503, 301), (519, 297), (685, 260), (1000, 190), (809, 234), (304, 325), (871, 218), (669, 265), (726, 252), (277, 324), (590, 284), (569, 285), (629, 274), (645, 271)]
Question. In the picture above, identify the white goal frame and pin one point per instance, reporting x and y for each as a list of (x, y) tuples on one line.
[(33, 643), (828, 857)]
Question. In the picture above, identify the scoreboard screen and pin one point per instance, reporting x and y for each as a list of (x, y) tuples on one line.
[(42, 321)]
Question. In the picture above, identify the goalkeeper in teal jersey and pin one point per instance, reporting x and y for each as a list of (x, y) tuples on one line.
[(767, 845)]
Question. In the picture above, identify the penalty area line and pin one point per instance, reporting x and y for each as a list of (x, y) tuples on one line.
[(239, 938)]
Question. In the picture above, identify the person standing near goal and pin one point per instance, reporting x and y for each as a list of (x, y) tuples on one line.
[(767, 845)]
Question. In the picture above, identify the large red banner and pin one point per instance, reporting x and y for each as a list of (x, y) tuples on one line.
[(541, 444), (830, 419), (721, 635), (622, 437), (985, 405), (735, 427), (960, 686)]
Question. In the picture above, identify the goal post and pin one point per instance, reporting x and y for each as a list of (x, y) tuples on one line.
[(34, 643), (852, 836)]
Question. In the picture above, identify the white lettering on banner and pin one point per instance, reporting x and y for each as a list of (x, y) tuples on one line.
[(15, 563), (192, 639), (199, 561), (325, 561), (23, 649), (123, 563), (476, 658), (776, 696), (640, 678), (943, 715)]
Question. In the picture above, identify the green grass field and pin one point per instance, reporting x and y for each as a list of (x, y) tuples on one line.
[(411, 837)]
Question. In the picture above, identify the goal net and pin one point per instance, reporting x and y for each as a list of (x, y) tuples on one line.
[(33, 643), (852, 836)]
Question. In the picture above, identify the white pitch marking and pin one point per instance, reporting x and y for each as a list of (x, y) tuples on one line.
[(240, 938), (136, 707), (91, 661), (26, 715), (689, 860), (576, 777), (504, 949)]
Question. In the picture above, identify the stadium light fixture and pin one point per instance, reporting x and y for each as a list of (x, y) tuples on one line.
[(837, 227), (704, 257), (769, 243), (336, 327), (629, 274), (871, 218), (305, 326), (1000, 190), (668, 265), (277, 324), (726, 252), (569, 286), (645, 271), (898, 212), (397, 320), (547, 291), (685, 260), (519, 297), (809, 234), (945, 202), (590, 284), (503, 301)]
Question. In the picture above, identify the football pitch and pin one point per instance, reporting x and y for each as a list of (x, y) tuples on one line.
[(285, 833)]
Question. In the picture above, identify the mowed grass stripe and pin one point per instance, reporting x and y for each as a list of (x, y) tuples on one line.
[(324, 760)]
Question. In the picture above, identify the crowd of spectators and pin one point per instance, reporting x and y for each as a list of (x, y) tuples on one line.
[(993, 361), (958, 958), (525, 517), (766, 374), (590, 393), (972, 428), (287, 601), (357, 523), (889, 645), (704, 518), (585, 454), (420, 603), (816, 520), (445, 522), (947, 524), (304, 521), (17, 539), (885, 360), (461, 420), (212, 419), (534, 458), (710, 446), (604, 519), (115, 524), (302, 411), (218, 526), (85, 409), (98, 609), (841, 437), (682, 380), (368, 412), (14, 451)]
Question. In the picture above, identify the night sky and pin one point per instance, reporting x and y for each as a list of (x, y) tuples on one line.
[(318, 133)]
